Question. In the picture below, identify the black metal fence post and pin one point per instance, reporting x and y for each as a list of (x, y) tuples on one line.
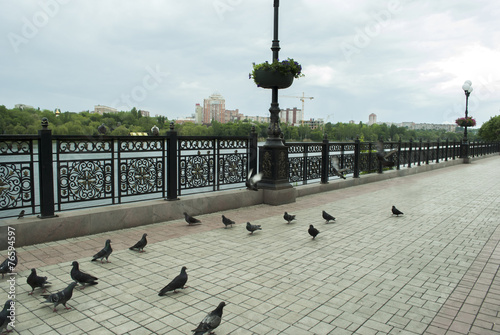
[(437, 151), (379, 162), (399, 155), (446, 151), (253, 152), (172, 181), (356, 158), (46, 171), (324, 160), (410, 148), (428, 152)]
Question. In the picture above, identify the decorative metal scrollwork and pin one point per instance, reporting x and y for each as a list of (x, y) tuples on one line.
[(21, 147), (16, 185), (296, 168), (232, 168), (197, 144), (233, 143), (65, 146), (196, 171), (313, 167), (85, 180), (140, 145), (140, 176), (295, 148)]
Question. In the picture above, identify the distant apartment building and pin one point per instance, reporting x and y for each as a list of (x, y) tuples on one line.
[(422, 126), (144, 113), (198, 112), (291, 116), (259, 119), (214, 108), (23, 106), (104, 109), (372, 119), (314, 123)]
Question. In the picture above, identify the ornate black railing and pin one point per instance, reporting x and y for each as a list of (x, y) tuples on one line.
[(45, 173)]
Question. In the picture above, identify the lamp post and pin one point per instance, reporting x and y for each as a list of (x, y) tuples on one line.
[(273, 155), (467, 87)]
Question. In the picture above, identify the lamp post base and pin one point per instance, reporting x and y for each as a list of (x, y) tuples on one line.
[(274, 167)]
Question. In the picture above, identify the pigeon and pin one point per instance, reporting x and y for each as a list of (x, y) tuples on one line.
[(61, 297), (328, 217), (335, 167), (102, 129), (80, 277), (155, 130), (227, 222), (210, 322), (104, 253), (9, 263), (177, 283), (251, 182), (383, 156), (253, 227), (141, 244), (4, 316), (396, 211), (36, 281), (288, 217), (21, 214), (190, 220), (313, 231)]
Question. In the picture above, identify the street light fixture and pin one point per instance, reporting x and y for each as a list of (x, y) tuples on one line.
[(467, 87)]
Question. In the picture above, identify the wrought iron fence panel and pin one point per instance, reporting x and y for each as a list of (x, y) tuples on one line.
[(313, 167), (84, 180), (368, 162), (141, 166), (296, 169), (232, 168), (17, 171)]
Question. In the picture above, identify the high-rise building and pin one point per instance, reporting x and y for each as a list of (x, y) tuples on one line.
[(214, 108), (372, 119), (292, 116), (198, 118)]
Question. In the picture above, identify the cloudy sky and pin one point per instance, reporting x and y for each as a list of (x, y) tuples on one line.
[(404, 60)]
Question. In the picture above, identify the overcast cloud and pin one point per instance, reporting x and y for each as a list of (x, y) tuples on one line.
[(404, 60)]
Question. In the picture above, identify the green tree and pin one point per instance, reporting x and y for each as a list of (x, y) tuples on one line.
[(490, 130)]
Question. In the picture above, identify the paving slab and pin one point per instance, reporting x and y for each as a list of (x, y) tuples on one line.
[(432, 270)]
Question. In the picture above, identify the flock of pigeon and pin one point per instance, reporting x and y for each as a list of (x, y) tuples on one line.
[(207, 325)]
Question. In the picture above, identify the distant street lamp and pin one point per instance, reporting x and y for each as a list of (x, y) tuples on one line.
[(467, 87)]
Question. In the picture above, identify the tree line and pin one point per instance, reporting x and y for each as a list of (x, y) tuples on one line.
[(28, 121)]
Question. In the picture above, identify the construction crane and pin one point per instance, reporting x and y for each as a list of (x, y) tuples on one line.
[(302, 98)]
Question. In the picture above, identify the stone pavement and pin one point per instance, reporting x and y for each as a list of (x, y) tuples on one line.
[(431, 271)]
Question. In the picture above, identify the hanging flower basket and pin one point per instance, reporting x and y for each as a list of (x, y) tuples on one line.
[(276, 74), (465, 122)]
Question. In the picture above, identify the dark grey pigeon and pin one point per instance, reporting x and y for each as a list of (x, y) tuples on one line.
[(252, 181), (61, 297), (396, 211), (104, 253), (383, 156), (328, 217), (177, 283), (102, 129), (253, 227), (335, 168), (227, 222), (155, 130), (21, 214), (313, 231), (36, 281), (288, 217), (82, 278), (4, 320), (9, 264), (190, 220), (141, 244), (211, 321)]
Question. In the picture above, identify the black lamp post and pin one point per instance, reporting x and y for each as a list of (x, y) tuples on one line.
[(273, 155), (467, 87)]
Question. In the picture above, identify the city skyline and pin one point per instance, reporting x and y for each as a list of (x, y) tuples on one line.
[(402, 60)]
